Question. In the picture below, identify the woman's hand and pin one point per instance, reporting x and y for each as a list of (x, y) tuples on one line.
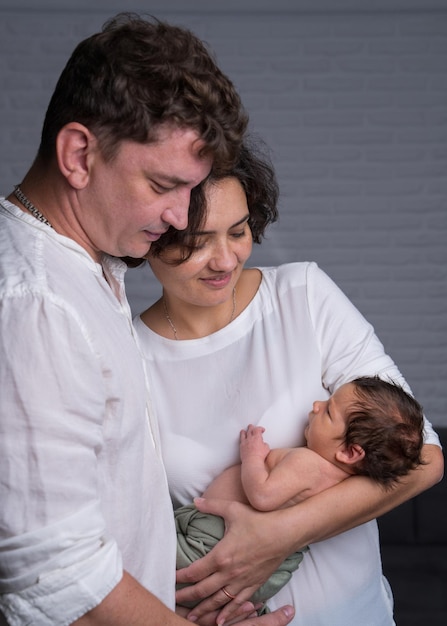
[(240, 563)]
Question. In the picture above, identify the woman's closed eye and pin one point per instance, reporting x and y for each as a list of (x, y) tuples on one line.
[(241, 231), (239, 234)]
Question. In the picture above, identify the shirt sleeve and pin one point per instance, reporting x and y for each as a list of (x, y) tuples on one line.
[(348, 343), (56, 560)]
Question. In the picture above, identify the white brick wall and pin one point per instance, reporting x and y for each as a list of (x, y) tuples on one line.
[(350, 95)]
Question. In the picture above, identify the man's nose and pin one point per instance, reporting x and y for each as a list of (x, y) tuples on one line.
[(176, 213)]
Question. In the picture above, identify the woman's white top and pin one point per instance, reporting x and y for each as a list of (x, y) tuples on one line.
[(298, 340)]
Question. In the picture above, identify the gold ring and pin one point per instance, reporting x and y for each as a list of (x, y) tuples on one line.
[(228, 594)]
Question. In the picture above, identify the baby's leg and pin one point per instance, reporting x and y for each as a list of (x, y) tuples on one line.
[(227, 486)]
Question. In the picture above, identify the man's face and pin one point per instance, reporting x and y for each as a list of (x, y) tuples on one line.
[(131, 200)]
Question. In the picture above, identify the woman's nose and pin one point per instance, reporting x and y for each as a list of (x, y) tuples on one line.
[(223, 258)]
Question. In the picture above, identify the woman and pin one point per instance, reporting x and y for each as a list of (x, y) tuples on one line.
[(227, 346)]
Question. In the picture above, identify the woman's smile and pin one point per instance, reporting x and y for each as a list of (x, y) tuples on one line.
[(218, 281)]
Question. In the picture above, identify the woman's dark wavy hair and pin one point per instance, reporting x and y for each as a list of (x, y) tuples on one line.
[(388, 424), (136, 74), (255, 173)]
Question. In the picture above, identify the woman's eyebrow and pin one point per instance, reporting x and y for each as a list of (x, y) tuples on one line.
[(209, 232)]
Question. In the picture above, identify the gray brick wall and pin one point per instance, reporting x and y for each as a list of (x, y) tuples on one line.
[(351, 97)]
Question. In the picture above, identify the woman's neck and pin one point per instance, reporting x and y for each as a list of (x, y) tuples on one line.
[(197, 321), (179, 320)]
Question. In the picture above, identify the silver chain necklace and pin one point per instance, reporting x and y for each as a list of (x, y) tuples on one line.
[(30, 206), (172, 325)]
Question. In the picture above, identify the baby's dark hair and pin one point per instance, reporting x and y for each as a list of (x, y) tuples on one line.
[(387, 423)]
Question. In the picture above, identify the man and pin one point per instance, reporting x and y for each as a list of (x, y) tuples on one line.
[(138, 118)]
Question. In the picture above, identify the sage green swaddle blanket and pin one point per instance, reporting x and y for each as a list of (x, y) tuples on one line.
[(198, 533)]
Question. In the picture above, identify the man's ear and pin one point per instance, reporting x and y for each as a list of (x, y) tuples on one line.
[(74, 146), (350, 455)]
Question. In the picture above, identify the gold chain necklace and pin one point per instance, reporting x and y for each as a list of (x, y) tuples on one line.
[(30, 206), (172, 325)]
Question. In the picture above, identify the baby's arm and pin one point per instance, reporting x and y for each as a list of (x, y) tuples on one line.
[(254, 471), (273, 479), (266, 486), (228, 484)]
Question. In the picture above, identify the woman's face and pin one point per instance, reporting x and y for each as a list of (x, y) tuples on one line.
[(208, 277)]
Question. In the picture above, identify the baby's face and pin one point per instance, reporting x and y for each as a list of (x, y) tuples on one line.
[(327, 422)]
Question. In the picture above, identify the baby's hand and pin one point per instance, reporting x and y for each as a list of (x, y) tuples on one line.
[(251, 443)]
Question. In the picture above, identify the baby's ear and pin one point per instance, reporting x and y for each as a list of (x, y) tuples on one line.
[(350, 455)]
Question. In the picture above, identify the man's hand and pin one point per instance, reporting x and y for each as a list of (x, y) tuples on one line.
[(246, 616), (280, 617)]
